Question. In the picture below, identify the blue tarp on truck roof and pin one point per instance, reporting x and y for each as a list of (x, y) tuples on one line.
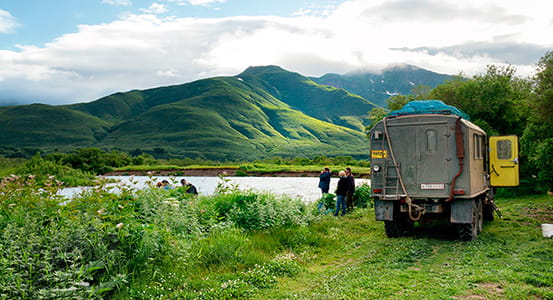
[(428, 107)]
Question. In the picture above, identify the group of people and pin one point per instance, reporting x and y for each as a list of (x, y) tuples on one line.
[(344, 191), (189, 187)]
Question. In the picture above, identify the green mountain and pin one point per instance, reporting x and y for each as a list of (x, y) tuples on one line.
[(53, 127), (262, 112), (377, 87)]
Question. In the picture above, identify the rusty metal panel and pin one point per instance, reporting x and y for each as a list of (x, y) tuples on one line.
[(384, 210)]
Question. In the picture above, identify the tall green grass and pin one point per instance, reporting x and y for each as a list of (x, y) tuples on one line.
[(43, 171), (139, 244), (166, 244)]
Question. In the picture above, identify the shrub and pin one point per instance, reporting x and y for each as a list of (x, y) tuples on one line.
[(362, 196), (328, 201), (102, 244)]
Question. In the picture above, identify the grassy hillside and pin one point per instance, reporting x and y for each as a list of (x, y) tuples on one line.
[(263, 112), (322, 102), (230, 120), (42, 125)]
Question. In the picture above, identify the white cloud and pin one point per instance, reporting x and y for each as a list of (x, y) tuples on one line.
[(7, 22), (118, 2), (155, 8), (144, 51), (197, 2)]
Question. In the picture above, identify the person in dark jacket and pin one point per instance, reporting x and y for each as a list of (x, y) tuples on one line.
[(324, 180), (351, 189), (190, 188), (341, 191)]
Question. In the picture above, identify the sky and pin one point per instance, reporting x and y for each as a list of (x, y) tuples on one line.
[(69, 51)]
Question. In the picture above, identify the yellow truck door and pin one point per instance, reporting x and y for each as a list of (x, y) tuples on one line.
[(504, 160)]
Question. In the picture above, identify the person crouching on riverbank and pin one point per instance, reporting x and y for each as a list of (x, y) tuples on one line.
[(189, 187)]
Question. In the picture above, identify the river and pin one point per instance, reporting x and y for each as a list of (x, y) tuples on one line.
[(303, 187)]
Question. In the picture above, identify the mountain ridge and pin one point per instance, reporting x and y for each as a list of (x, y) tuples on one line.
[(379, 86), (262, 112)]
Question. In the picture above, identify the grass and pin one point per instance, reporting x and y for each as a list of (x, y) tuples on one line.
[(510, 259), (166, 244)]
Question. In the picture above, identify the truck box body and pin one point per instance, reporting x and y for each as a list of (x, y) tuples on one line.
[(429, 162), (425, 148)]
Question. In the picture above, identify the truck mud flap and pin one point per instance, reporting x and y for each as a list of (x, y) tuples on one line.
[(461, 211), (384, 210)]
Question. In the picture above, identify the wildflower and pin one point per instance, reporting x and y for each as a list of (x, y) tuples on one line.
[(31, 176), (101, 211), (119, 226), (83, 283), (120, 206)]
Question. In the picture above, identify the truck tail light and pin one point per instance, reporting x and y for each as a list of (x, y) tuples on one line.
[(458, 192), (377, 191)]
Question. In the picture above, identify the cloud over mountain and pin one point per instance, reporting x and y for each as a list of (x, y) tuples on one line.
[(159, 47)]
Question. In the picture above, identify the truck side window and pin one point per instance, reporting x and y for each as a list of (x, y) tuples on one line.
[(503, 149), (478, 153), (431, 140)]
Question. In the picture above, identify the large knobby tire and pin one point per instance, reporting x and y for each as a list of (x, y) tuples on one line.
[(488, 212), (479, 214), (465, 232), (392, 229), (469, 231), (400, 226)]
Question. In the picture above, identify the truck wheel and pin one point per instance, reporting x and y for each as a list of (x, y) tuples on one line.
[(398, 227), (479, 214), (469, 231), (392, 229), (465, 232), (488, 212)]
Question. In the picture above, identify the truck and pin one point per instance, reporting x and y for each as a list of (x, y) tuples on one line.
[(429, 162)]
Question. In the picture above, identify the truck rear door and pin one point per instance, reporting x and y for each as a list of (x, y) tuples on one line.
[(432, 158)]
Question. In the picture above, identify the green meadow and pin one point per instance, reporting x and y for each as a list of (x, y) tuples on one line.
[(167, 244)]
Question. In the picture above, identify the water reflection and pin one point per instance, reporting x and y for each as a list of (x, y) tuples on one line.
[(303, 187)]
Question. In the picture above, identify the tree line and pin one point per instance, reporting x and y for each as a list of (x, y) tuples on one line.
[(501, 103)]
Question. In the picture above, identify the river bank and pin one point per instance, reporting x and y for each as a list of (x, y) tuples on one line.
[(223, 172)]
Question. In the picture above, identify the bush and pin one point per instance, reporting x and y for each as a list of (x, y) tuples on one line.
[(328, 201), (43, 171), (362, 196), (102, 244)]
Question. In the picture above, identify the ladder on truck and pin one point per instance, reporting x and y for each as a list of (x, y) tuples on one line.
[(390, 184)]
